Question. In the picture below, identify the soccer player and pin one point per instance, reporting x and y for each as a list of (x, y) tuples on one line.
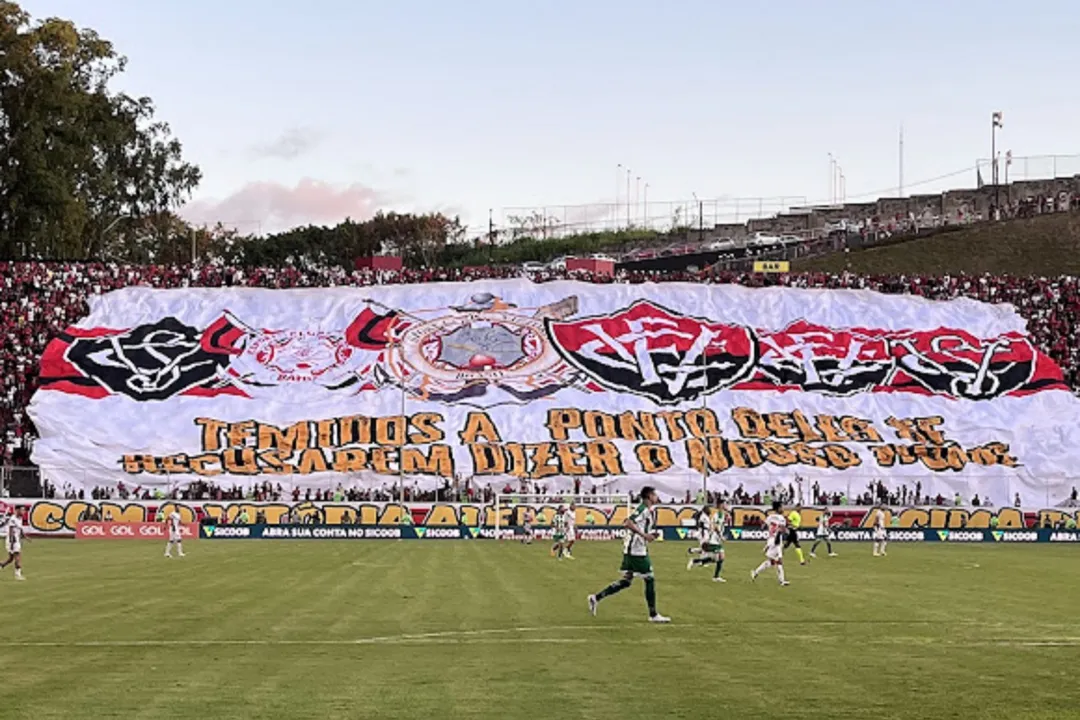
[(13, 535), (712, 545), (641, 530), (776, 526), (881, 535), (527, 529), (823, 534), (558, 524), (794, 522), (569, 531), (175, 538)]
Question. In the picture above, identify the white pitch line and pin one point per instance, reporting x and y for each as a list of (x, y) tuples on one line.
[(486, 636)]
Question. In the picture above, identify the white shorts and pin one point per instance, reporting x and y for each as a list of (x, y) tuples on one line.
[(774, 552), (175, 537), (13, 547), (880, 534), (571, 535)]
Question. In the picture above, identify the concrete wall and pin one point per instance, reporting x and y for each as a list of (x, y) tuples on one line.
[(952, 206)]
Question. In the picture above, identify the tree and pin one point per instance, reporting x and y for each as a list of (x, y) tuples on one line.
[(82, 169)]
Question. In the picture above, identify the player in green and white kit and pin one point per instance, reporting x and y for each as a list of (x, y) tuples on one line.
[(641, 530), (558, 524), (712, 547)]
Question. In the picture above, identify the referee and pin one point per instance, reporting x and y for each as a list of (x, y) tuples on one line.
[(794, 522)]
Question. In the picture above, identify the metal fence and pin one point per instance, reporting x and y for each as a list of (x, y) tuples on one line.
[(1031, 167), (853, 488), (553, 221)]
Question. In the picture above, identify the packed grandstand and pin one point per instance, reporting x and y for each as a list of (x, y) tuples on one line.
[(38, 300)]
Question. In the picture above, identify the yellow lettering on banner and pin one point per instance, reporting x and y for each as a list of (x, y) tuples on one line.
[(122, 513), (782, 426), (239, 433), (1001, 452), (324, 433), (272, 463), (542, 457), (653, 458), (707, 456), (671, 420), (702, 423), (928, 426), (354, 429), (598, 425), (488, 459), (778, 453), (175, 464), (859, 429), (772, 266), (350, 460), (1010, 519), (470, 515), (830, 428), (604, 459), (840, 458), (441, 515), (638, 426), (479, 427), (135, 464), (382, 459), (669, 515), (390, 431), (47, 516), (745, 455), (427, 428), (439, 461), (286, 441), (211, 433), (518, 463), (570, 459), (809, 434), (311, 460), (205, 465), (241, 461), (561, 422)]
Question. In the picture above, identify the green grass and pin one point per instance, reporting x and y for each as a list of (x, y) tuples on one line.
[(1044, 246), (497, 630)]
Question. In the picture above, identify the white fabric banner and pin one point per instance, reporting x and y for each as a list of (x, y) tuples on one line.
[(614, 386)]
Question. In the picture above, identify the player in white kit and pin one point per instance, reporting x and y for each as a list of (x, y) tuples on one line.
[(776, 527), (570, 530), (12, 527), (175, 536), (881, 535)]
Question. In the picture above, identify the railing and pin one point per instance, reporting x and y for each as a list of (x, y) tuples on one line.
[(933, 488), (554, 221), (1031, 167)]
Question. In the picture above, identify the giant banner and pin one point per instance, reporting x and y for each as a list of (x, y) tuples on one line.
[(674, 385), (62, 518)]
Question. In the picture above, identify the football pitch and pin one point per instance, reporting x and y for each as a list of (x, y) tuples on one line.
[(459, 629)]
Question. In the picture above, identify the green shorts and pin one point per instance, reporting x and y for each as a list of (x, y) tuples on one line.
[(639, 565), (558, 537), (711, 548)]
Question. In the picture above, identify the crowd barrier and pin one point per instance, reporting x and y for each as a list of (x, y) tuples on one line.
[(61, 517), (461, 532)]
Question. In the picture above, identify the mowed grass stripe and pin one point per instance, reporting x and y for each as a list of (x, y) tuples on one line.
[(480, 629)]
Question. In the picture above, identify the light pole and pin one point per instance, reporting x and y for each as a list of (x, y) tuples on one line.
[(701, 218), (832, 179), (628, 197), (618, 184), (995, 124), (645, 206)]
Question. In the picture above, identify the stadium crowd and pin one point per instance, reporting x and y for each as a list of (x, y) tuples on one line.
[(38, 300)]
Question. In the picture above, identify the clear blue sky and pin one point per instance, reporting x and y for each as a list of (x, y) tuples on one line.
[(305, 111)]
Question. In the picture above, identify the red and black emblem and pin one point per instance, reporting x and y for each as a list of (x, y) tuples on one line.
[(649, 350)]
